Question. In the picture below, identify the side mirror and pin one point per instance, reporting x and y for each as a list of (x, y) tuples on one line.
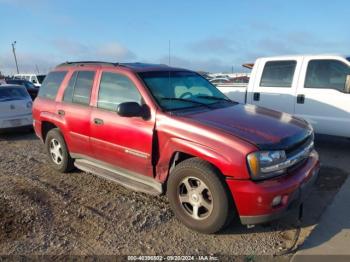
[(130, 109), (34, 81), (347, 84)]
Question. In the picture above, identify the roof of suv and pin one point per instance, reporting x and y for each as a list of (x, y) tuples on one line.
[(135, 67)]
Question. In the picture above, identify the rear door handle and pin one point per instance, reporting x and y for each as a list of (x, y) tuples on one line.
[(61, 112), (301, 99), (256, 96), (98, 121)]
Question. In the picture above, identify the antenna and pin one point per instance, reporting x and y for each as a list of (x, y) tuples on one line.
[(169, 63)]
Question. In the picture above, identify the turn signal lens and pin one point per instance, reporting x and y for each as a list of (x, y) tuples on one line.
[(253, 163)]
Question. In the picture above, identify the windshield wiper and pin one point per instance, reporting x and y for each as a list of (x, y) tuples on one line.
[(185, 100), (216, 98)]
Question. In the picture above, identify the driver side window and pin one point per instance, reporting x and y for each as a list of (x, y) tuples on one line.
[(116, 89)]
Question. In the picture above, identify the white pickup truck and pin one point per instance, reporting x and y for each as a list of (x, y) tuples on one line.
[(314, 87)]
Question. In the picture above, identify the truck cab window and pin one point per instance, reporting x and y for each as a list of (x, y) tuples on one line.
[(278, 74), (326, 74)]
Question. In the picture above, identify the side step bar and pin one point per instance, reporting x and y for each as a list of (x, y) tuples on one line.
[(129, 180)]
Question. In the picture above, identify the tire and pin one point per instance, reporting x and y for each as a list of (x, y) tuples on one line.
[(57, 151), (207, 191)]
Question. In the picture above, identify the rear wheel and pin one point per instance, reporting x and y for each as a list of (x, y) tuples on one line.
[(57, 150), (199, 197)]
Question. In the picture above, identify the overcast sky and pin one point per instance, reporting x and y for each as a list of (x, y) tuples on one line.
[(205, 35)]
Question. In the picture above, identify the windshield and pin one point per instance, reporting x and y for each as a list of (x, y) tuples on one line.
[(12, 93), (175, 90)]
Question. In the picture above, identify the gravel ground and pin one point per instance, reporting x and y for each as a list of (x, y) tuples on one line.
[(45, 212)]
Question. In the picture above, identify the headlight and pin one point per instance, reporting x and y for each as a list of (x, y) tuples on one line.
[(265, 164)]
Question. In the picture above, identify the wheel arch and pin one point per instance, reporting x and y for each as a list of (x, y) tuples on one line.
[(179, 150), (46, 126)]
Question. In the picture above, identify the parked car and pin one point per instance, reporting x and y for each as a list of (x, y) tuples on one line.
[(220, 80), (35, 79), (158, 129), (31, 88), (15, 107), (315, 87), (241, 79)]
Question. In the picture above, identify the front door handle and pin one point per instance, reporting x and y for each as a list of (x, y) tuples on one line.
[(301, 99), (98, 121), (256, 96), (61, 112)]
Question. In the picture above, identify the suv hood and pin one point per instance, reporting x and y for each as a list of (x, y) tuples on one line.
[(265, 128)]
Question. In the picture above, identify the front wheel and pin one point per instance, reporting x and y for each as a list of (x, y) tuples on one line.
[(198, 197)]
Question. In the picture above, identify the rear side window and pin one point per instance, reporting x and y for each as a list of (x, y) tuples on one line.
[(51, 84), (116, 89), (68, 93), (330, 74), (278, 74), (79, 87)]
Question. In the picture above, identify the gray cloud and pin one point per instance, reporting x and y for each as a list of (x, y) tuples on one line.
[(298, 43), (112, 51), (211, 45), (69, 47), (64, 50), (27, 63), (115, 51), (210, 64)]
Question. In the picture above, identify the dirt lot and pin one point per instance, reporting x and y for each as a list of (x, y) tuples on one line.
[(45, 212)]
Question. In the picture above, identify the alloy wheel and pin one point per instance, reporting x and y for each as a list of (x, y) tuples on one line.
[(195, 198)]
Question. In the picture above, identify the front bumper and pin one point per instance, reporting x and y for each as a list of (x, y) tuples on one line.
[(253, 200)]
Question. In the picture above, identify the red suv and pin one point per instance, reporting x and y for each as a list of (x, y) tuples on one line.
[(158, 129)]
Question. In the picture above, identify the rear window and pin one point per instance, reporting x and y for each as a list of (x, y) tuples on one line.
[(51, 84), (278, 74), (12, 93)]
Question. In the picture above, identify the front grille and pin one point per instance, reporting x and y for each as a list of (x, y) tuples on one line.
[(299, 146), (300, 153)]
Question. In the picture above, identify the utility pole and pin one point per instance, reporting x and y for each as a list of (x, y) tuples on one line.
[(14, 54)]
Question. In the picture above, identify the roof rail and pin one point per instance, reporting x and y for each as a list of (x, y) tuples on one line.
[(82, 63)]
